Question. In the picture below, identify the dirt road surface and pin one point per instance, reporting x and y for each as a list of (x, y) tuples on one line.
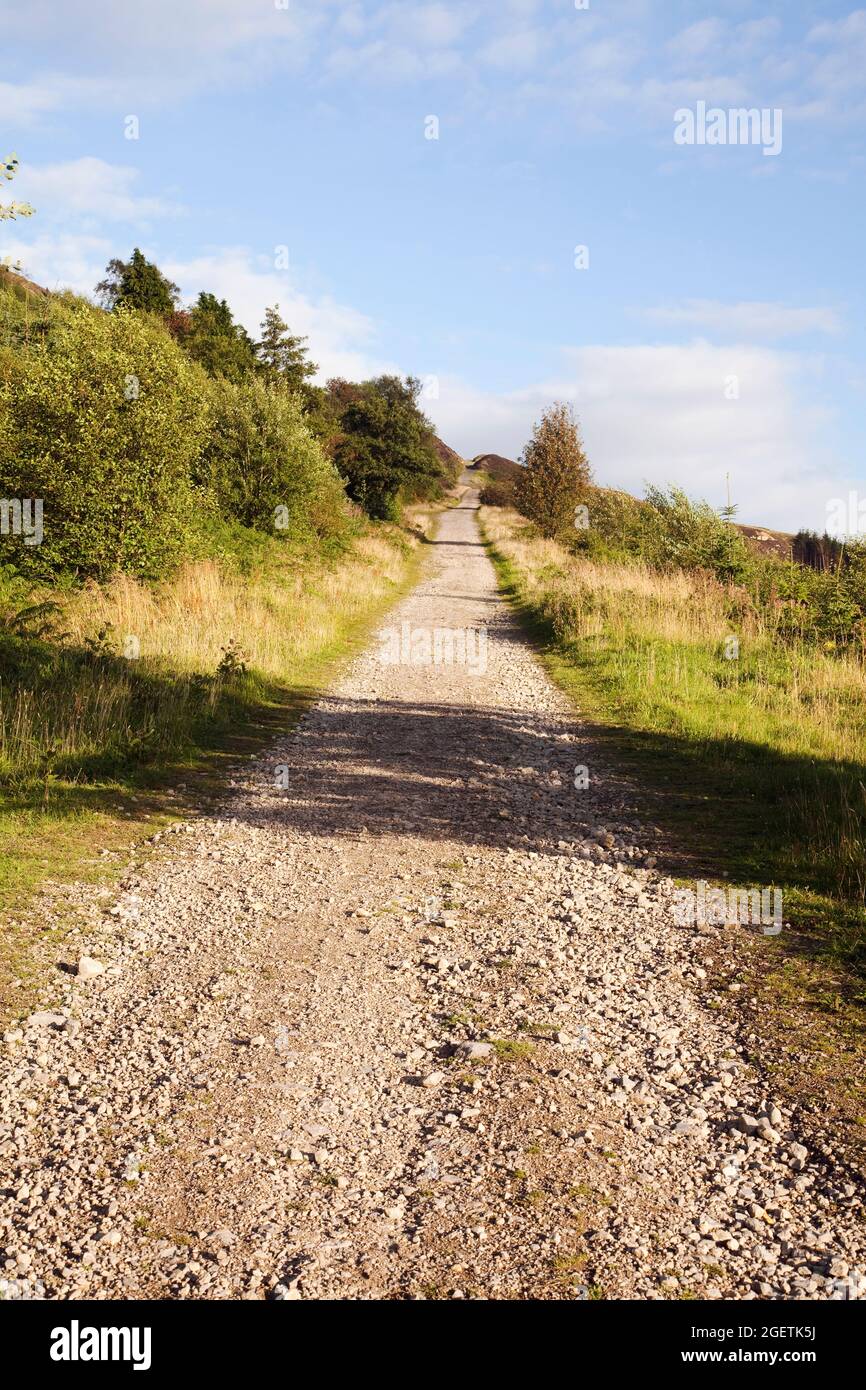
[(411, 1016)]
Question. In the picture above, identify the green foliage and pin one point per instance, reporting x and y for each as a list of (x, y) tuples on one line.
[(556, 473), (690, 535), (137, 284), (616, 525), (264, 466), (819, 598), (281, 351), (325, 407), (104, 426), (385, 444), (209, 334), (27, 315), (821, 606)]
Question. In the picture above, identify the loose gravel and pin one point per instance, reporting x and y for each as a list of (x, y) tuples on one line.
[(410, 1016)]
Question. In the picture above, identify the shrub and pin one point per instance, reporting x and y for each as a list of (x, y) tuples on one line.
[(497, 494), (104, 425), (679, 532), (261, 457), (615, 525)]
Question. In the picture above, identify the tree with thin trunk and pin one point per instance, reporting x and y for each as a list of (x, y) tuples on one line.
[(556, 475), (284, 352)]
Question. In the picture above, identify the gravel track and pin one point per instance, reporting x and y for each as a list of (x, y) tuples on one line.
[(418, 1023)]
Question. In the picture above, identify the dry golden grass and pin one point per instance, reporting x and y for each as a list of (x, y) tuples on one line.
[(278, 619), (662, 638), (141, 667)]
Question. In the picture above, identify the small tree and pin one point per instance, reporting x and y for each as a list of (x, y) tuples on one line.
[(137, 284), (556, 473), (385, 443), (677, 531), (284, 352)]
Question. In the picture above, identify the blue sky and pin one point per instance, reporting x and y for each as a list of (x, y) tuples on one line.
[(263, 126)]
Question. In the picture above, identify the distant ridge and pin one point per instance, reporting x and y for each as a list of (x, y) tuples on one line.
[(444, 452), (499, 468)]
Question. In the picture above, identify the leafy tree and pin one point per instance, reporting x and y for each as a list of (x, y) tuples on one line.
[(137, 284), (104, 426), (210, 335), (263, 464), (556, 473), (385, 443), (284, 352), (324, 407)]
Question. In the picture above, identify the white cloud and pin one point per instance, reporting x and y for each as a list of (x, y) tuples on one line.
[(607, 61), (342, 340), (516, 50), (166, 27), (836, 69), (660, 414), (697, 40), (22, 103), (63, 260), (88, 187), (151, 52), (430, 26), (748, 320), (25, 104)]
